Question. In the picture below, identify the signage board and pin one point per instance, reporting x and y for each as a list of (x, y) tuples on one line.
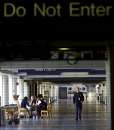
[(50, 18)]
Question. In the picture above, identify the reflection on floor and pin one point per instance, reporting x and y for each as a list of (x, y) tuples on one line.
[(95, 117)]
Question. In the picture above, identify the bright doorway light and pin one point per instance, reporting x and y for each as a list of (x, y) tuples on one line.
[(90, 96)]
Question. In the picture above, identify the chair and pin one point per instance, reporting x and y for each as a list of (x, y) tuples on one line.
[(23, 113), (11, 112), (48, 112), (49, 109), (44, 113)]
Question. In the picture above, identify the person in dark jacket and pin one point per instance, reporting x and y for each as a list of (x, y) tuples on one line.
[(24, 102), (78, 99), (41, 105)]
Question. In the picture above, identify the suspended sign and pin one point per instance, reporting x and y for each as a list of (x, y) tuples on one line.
[(55, 18)]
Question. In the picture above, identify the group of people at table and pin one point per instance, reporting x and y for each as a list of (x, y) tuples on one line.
[(35, 104)]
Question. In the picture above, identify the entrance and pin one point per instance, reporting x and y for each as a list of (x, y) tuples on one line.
[(62, 92)]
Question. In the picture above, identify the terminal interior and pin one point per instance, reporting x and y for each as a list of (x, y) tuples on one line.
[(57, 80)]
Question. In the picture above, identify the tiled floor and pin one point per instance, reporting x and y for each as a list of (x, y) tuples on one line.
[(95, 117)]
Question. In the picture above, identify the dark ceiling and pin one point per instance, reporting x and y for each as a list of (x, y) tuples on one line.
[(40, 49), (55, 43)]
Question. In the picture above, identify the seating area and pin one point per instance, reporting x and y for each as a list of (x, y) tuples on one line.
[(14, 111)]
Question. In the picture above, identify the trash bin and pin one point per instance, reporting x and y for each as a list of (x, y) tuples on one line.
[(2, 117)]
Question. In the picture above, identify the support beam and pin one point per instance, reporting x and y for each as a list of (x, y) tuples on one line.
[(5, 90), (111, 56)]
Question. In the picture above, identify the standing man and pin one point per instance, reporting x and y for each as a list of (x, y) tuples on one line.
[(78, 99)]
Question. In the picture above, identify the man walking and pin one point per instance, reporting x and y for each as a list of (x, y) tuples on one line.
[(78, 99)]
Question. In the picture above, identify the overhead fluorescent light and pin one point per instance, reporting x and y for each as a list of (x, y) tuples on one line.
[(76, 74)]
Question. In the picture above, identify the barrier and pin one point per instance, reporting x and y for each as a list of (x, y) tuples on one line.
[(2, 117)]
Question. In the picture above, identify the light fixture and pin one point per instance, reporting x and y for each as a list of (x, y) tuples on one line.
[(63, 49)]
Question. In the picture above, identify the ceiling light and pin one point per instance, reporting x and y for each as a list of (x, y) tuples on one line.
[(64, 49)]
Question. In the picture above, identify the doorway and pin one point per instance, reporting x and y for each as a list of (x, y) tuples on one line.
[(62, 92)]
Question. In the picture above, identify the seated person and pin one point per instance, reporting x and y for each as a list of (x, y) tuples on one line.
[(32, 105), (41, 105), (33, 101), (25, 104)]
